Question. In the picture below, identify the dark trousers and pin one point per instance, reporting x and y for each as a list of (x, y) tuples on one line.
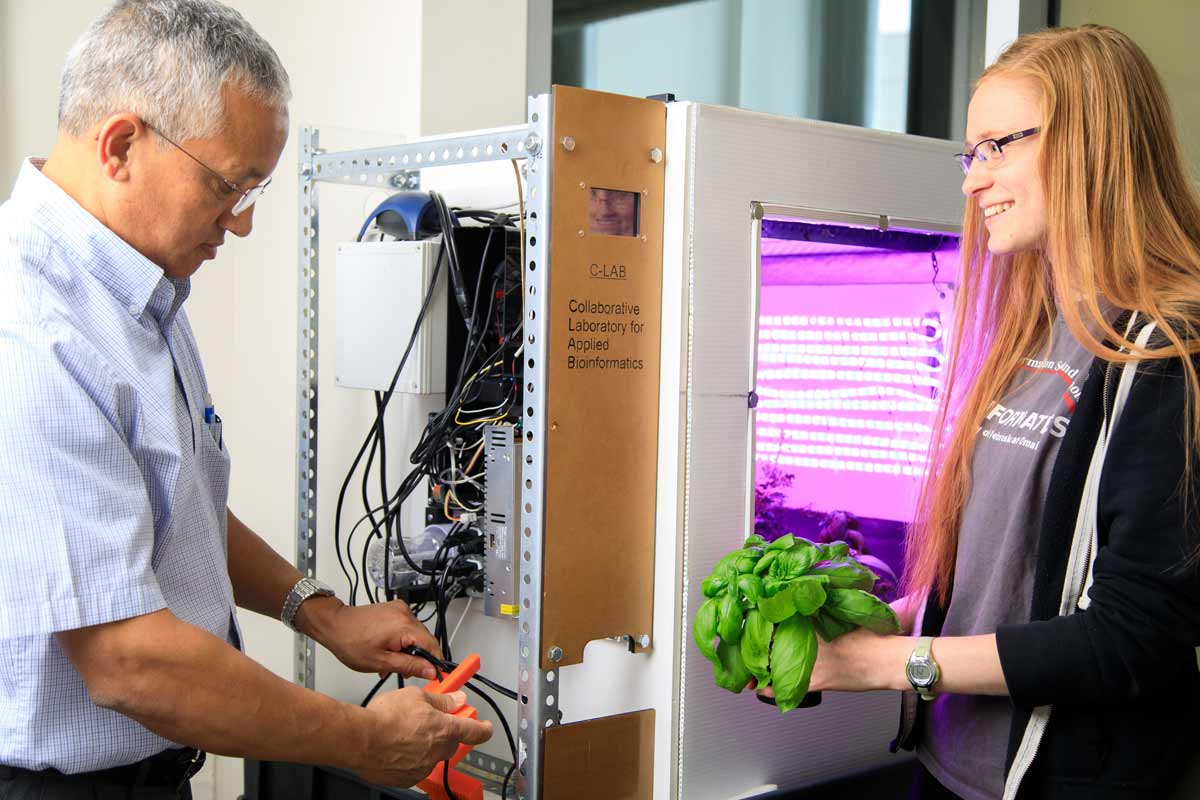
[(160, 777), (924, 786), (47, 786)]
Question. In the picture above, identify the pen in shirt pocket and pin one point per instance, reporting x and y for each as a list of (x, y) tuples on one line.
[(213, 421)]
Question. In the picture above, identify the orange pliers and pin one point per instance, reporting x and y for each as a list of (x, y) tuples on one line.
[(463, 786)]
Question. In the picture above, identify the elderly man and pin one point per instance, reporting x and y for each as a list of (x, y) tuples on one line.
[(120, 659)]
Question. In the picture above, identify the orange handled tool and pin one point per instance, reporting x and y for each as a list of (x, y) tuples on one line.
[(464, 787)]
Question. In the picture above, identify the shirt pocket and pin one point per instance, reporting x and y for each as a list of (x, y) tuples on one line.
[(213, 463)]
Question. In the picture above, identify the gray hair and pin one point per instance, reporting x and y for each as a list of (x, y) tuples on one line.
[(167, 61)]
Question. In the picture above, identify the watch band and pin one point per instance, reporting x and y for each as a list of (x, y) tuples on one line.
[(304, 589)]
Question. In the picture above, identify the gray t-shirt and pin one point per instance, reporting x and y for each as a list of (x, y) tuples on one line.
[(966, 736)]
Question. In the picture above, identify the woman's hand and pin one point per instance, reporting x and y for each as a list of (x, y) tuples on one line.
[(859, 661)]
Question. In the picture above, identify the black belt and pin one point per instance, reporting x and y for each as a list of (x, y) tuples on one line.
[(172, 768)]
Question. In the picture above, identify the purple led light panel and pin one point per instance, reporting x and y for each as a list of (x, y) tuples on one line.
[(849, 374)]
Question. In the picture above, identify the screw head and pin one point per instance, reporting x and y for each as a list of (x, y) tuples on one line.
[(644, 640), (568, 143), (581, 233), (533, 143), (656, 155), (555, 654)]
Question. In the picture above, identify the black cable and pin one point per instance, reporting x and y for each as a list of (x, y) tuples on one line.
[(509, 693), (374, 525), (374, 690), (366, 584), (383, 493), (446, 779), (508, 775), (512, 743), (431, 437), (456, 278), (444, 605), (350, 556), (445, 665)]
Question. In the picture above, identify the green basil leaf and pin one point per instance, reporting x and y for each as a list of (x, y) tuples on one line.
[(834, 551), (731, 674), (778, 607), (713, 585), (729, 617), (765, 562), (829, 628), (751, 587), (730, 559), (782, 543), (807, 593), (704, 630), (862, 609), (795, 561), (756, 645), (754, 540), (846, 575), (746, 565), (793, 653)]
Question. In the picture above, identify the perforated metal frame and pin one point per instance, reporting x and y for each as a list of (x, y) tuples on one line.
[(395, 166), (537, 698), (306, 388)]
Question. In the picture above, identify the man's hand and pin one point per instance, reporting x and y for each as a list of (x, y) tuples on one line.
[(413, 731), (369, 638)]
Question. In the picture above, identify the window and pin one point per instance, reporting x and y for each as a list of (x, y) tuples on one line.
[(896, 65)]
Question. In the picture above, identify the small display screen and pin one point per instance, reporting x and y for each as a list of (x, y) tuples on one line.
[(613, 212)]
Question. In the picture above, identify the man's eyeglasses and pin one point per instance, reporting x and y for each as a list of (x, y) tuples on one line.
[(248, 196), (991, 151)]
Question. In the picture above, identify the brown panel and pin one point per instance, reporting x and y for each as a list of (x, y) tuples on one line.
[(602, 406), (611, 758)]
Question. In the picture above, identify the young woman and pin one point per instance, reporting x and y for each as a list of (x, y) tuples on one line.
[(1082, 226)]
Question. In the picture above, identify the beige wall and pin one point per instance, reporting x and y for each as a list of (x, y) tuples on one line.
[(1166, 30), (367, 72)]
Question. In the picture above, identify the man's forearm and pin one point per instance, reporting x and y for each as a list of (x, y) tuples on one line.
[(261, 577), (188, 686)]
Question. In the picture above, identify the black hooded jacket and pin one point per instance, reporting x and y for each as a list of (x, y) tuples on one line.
[(1122, 676)]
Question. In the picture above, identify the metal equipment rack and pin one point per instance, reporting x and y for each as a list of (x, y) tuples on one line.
[(399, 166)]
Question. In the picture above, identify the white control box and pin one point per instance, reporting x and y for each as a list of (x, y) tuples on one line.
[(380, 287)]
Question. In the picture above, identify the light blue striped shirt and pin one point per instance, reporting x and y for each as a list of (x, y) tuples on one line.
[(112, 486)]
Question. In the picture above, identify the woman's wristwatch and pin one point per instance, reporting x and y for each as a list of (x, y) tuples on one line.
[(922, 671), (304, 589)]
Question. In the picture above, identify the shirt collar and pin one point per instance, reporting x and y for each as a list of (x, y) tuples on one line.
[(134, 280), (167, 298)]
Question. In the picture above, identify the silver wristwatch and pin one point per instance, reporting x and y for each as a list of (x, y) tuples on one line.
[(304, 589), (922, 671)]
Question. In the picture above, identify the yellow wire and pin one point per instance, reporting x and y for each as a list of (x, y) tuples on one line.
[(474, 458), (446, 508), (483, 371), (471, 422)]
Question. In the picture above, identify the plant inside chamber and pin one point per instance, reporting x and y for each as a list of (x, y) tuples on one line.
[(771, 522), (769, 494)]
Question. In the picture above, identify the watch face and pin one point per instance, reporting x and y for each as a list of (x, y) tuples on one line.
[(920, 674)]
